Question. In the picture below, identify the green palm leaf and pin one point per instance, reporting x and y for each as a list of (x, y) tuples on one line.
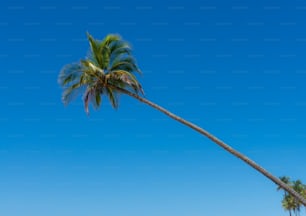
[(113, 98)]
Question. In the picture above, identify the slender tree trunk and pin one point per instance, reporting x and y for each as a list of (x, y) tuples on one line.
[(218, 142)]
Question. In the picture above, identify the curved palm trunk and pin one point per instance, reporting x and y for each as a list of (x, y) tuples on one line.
[(218, 142)]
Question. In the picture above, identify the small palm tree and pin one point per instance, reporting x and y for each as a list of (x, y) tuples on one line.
[(289, 202), (109, 70), (300, 188)]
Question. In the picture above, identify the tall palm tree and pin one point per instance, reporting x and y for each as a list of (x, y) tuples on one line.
[(109, 70)]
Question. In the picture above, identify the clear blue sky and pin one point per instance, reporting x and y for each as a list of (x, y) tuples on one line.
[(236, 68)]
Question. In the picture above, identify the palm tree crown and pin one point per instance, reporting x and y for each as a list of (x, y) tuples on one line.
[(109, 64)]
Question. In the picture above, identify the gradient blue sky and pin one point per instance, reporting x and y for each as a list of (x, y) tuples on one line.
[(236, 68)]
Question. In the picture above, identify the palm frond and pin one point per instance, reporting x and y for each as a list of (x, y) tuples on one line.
[(70, 73), (70, 93), (119, 48), (92, 68), (112, 95), (127, 78), (92, 95), (95, 48), (105, 49), (86, 100), (111, 38), (124, 63), (119, 45), (69, 78), (99, 52)]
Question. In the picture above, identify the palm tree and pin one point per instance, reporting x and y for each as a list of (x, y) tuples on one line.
[(300, 188), (289, 202), (109, 70)]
